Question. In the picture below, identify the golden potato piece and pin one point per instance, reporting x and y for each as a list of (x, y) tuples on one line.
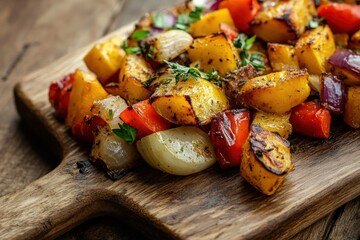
[(276, 92), (214, 51), (284, 21), (189, 102), (134, 73), (274, 122), (266, 160), (282, 57), (85, 90), (210, 23), (314, 48), (352, 107), (105, 59)]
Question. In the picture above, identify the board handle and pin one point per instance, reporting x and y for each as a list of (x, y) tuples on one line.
[(52, 204)]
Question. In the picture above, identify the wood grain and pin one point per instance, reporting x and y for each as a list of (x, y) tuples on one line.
[(25, 159)]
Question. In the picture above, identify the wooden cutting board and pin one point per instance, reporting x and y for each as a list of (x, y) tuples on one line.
[(213, 204)]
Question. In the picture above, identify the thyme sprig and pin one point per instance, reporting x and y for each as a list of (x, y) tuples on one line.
[(244, 43)]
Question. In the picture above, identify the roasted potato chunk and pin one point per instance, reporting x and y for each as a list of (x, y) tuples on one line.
[(190, 102), (274, 122), (85, 90), (284, 21), (276, 92), (314, 48), (214, 52), (105, 59), (352, 107), (355, 41), (282, 57), (134, 73), (210, 23), (266, 160)]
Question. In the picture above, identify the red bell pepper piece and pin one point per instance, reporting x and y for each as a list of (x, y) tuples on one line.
[(144, 118), (229, 131), (230, 32), (310, 119), (242, 12), (341, 17), (87, 129), (59, 95)]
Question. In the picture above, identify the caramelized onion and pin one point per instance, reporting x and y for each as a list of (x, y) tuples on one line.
[(347, 60)]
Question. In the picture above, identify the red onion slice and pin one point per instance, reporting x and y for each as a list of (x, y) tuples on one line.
[(332, 94), (347, 60)]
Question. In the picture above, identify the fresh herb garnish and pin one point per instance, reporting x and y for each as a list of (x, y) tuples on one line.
[(183, 21), (126, 132), (244, 43), (315, 22), (148, 82), (183, 73), (149, 53), (111, 114), (140, 34), (158, 20), (130, 50)]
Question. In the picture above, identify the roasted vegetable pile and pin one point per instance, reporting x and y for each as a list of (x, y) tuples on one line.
[(217, 81)]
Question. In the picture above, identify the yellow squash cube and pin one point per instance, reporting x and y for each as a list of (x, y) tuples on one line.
[(134, 74), (276, 92), (274, 122), (214, 52), (210, 23), (189, 102), (314, 48), (283, 21), (85, 90), (105, 59), (266, 160), (282, 57), (352, 107)]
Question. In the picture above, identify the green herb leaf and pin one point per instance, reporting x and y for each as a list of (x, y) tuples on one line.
[(111, 114), (158, 20), (243, 42), (183, 73), (126, 132), (315, 22), (150, 51), (148, 82), (140, 34), (130, 50), (184, 21)]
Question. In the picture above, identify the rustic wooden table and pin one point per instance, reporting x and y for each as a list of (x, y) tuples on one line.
[(33, 34)]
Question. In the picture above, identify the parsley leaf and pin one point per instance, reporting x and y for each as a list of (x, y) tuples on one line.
[(244, 43), (126, 132), (183, 21), (183, 73), (140, 34), (130, 50), (158, 20), (315, 22)]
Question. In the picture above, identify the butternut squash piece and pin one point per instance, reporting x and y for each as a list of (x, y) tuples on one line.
[(210, 23), (266, 160), (189, 102), (105, 59), (314, 48), (274, 122), (276, 92), (283, 21), (134, 74), (85, 90), (352, 107), (282, 57), (214, 51)]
